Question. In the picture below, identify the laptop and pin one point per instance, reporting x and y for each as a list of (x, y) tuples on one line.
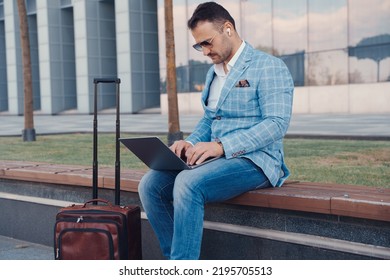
[(156, 155)]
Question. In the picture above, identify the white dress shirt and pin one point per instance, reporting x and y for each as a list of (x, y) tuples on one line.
[(220, 78)]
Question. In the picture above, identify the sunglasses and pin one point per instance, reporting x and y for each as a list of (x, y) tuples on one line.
[(204, 44)]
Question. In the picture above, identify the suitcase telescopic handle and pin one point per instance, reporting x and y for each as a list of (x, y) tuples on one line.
[(97, 200), (96, 81), (106, 80)]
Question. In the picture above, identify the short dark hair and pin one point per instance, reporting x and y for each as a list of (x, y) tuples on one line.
[(212, 12)]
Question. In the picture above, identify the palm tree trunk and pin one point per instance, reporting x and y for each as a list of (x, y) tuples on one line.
[(174, 132), (28, 133)]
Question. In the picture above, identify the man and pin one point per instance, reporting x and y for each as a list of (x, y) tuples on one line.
[(247, 104)]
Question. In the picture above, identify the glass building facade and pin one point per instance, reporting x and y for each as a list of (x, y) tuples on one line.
[(71, 43), (323, 43), (338, 52)]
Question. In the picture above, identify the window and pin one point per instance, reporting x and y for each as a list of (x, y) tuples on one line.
[(369, 41)]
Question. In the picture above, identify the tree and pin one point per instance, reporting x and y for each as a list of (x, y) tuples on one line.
[(174, 132), (28, 133)]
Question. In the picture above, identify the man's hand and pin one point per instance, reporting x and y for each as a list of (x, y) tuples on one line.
[(202, 151), (180, 148)]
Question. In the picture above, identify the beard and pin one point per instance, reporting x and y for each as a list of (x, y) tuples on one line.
[(215, 58), (223, 55), (219, 57)]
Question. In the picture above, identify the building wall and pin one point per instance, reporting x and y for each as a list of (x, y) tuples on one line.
[(13, 59), (338, 51), (338, 99), (56, 57), (73, 42), (3, 69)]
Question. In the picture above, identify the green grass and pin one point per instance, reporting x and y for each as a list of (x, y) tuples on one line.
[(339, 161), (332, 161), (67, 149)]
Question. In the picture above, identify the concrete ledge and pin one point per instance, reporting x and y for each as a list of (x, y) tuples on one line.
[(35, 200), (31, 215), (301, 220), (344, 200), (304, 239), (76, 175)]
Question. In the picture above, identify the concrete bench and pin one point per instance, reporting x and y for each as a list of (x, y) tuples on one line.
[(301, 220), (335, 199)]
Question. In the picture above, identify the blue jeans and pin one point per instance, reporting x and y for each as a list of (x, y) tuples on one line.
[(174, 201)]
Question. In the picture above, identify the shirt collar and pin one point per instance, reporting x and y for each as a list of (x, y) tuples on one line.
[(218, 68)]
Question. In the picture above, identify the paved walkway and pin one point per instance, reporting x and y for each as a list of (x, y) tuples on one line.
[(14, 249), (331, 125)]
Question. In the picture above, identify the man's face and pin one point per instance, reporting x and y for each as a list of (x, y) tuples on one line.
[(215, 44)]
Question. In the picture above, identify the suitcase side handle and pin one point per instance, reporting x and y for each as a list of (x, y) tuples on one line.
[(97, 200)]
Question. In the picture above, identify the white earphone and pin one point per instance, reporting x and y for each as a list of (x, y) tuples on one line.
[(228, 31)]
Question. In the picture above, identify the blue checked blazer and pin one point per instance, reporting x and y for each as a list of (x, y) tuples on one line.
[(251, 121)]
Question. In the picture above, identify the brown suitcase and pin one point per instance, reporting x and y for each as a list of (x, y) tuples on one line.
[(96, 231)]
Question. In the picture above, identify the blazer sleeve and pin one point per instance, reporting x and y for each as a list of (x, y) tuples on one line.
[(201, 132)]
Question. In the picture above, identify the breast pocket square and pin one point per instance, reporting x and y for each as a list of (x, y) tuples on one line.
[(243, 83)]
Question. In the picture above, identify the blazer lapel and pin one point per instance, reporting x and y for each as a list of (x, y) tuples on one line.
[(209, 78), (239, 67)]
